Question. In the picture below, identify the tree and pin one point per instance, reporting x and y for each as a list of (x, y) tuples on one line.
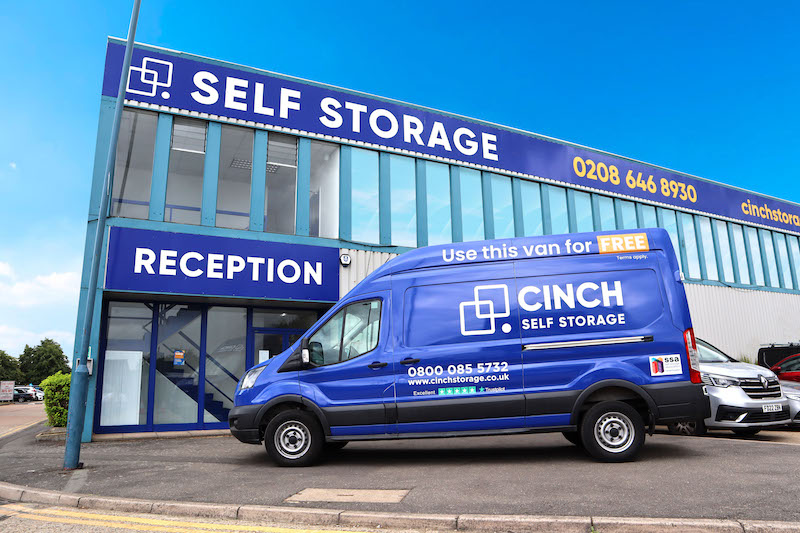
[(9, 368), (42, 361)]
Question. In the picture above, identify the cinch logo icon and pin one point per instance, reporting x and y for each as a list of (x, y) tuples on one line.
[(490, 303), (146, 80)]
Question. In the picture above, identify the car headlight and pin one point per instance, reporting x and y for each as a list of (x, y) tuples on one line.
[(251, 376), (719, 381)]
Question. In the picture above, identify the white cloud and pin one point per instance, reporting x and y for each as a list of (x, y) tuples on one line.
[(14, 339), (13, 165), (50, 289), (6, 270)]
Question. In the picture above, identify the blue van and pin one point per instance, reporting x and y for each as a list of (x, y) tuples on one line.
[(587, 334)]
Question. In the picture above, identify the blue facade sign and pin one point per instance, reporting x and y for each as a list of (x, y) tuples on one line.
[(189, 83), (179, 263)]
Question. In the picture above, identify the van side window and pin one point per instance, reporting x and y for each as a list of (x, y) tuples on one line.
[(351, 332)]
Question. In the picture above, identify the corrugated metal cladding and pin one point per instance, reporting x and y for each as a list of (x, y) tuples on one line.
[(362, 264), (739, 321)]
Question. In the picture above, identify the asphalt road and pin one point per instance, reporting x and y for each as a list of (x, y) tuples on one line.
[(15, 416), (679, 477)]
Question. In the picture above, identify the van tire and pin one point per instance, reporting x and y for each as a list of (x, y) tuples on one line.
[(612, 432), (294, 438), (574, 437)]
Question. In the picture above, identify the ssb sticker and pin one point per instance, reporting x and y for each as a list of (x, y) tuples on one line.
[(665, 365)]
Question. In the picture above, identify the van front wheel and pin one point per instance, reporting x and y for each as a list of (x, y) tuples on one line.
[(612, 432), (294, 438)]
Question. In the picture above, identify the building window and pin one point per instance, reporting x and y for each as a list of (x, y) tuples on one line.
[(280, 200), (583, 211), (794, 253), (649, 219), (755, 255), (557, 201), (740, 254), (531, 208), (502, 207), (403, 194), (133, 167), (126, 365), (724, 250), (324, 195), (177, 364), (471, 205), (185, 175), (686, 222), (364, 196), (627, 212), (783, 258), (235, 172), (437, 180), (226, 351), (669, 222), (769, 254), (709, 255), (605, 208)]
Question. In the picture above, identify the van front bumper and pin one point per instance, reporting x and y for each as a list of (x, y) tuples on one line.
[(244, 423), (679, 401)]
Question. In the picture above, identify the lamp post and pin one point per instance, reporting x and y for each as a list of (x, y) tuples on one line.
[(79, 385)]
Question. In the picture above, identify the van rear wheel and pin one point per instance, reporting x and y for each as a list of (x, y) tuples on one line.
[(294, 438), (612, 432)]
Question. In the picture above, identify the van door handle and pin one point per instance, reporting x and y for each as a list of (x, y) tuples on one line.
[(377, 364), (409, 361)]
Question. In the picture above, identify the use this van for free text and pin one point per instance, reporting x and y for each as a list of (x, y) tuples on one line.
[(586, 334)]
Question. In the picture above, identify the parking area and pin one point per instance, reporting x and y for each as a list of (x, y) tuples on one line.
[(17, 416), (675, 476)]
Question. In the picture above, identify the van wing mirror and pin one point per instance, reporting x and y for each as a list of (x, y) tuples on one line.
[(305, 354)]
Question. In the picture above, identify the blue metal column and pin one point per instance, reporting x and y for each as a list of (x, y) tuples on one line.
[(488, 205), (455, 204), (385, 199), (701, 254), (547, 224), (79, 383), (302, 224), (737, 276), (208, 212), (422, 204), (346, 193), (258, 181), (519, 215), (571, 215)]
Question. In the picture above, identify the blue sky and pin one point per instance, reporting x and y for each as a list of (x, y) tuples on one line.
[(709, 89)]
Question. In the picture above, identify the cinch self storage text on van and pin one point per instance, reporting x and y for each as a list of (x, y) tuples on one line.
[(587, 334)]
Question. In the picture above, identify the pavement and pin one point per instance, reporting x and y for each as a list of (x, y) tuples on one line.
[(17, 416), (728, 480)]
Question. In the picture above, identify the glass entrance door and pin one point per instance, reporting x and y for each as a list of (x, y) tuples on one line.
[(269, 342)]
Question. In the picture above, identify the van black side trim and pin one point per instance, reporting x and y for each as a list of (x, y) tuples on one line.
[(461, 408), (550, 403), (451, 434), (356, 415)]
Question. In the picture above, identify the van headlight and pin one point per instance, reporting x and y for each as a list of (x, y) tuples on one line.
[(250, 378), (719, 381)]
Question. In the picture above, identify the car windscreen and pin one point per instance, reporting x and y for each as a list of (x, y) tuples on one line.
[(709, 354)]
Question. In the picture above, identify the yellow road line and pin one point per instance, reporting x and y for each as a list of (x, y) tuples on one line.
[(118, 525), (161, 522), (20, 428)]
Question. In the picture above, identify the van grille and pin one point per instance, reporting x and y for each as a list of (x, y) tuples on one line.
[(756, 390)]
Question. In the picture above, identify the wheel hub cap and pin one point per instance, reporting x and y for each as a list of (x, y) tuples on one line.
[(292, 439), (614, 432)]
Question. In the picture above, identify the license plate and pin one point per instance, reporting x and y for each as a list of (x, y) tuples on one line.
[(772, 408)]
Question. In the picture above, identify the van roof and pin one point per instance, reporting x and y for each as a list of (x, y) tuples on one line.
[(568, 244)]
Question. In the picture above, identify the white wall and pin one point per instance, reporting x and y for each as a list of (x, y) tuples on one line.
[(363, 263), (740, 321)]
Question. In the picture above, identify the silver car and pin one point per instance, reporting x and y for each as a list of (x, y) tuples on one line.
[(744, 398), (791, 389)]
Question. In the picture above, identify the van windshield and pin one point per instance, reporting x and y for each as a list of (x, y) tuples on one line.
[(710, 354)]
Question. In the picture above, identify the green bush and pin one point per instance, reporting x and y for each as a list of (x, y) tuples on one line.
[(56, 398)]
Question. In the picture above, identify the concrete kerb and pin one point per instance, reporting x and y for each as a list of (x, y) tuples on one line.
[(332, 517)]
